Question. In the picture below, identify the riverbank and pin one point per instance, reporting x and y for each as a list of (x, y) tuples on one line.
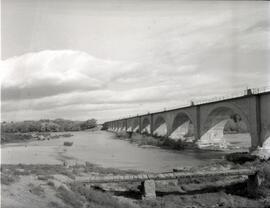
[(162, 142), (146, 140), (7, 138), (53, 186)]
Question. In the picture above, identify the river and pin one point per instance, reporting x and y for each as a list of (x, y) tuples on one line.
[(101, 148)]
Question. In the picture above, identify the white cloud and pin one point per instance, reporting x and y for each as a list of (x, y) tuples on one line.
[(60, 83)]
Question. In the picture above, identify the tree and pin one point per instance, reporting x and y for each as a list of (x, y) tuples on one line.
[(89, 124)]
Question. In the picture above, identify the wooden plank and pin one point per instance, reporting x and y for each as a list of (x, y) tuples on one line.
[(164, 176)]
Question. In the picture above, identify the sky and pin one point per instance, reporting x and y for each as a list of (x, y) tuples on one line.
[(112, 59)]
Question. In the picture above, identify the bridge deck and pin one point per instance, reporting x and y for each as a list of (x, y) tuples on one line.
[(163, 176)]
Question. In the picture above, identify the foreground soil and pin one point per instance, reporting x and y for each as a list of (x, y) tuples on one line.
[(54, 186)]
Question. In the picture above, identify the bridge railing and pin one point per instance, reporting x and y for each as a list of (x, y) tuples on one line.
[(260, 90), (215, 99)]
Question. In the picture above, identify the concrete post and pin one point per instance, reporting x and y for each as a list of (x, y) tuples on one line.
[(149, 189), (259, 120), (140, 124), (254, 121), (197, 123), (151, 124), (253, 184)]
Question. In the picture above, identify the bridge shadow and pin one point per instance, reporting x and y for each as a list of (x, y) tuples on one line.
[(132, 194), (236, 189), (239, 189)]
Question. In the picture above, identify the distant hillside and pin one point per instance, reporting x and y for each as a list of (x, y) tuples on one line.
[(46, 125)]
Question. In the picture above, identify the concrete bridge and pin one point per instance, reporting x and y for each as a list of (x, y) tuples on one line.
[(250, 110)]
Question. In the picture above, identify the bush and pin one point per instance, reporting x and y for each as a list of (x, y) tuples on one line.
[(99, 199), (46, 125)]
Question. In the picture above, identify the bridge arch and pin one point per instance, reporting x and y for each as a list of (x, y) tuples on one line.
[(123, 125), (225, 119), (136, 125), (182, 127), (146, 126), (129, 125), (160, 127), (117, 126), (114, 126), (120, 126)]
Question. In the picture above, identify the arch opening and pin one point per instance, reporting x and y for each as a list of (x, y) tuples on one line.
[(225, 128), (119, 127), (135, 126), (123, 127), (129, 126), (182, 128), (146, 126), (160, 127)]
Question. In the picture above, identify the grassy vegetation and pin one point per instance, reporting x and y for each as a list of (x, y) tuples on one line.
[(170, 194), (9, 172), (36, 190), (25, 137), (69, 197), (14, 138), (162, 142), (47, 125), (96, 198)]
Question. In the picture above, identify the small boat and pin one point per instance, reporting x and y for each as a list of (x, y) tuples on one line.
[(68, 143)]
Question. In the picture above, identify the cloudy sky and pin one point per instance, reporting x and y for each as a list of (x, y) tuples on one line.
[(109, 59)]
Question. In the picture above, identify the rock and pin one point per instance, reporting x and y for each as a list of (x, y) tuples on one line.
[(69, 163), (240, 157), (262, 153), (57, 184), (43, 177), (182, 169), (149, 189), (254, 184), (266, 171), (20, 170)]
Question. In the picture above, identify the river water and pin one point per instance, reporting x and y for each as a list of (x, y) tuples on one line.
[(102, 148)]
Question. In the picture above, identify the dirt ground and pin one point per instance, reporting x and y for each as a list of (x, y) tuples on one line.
[(52, 186)]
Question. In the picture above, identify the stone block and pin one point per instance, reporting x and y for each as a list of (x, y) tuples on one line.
[(149, 189), (254, 183)]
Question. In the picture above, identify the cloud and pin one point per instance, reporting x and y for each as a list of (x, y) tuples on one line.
[(127, 64), (48, 73), (52, 84)]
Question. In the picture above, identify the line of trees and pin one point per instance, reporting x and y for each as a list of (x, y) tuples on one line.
[(46, 125)]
